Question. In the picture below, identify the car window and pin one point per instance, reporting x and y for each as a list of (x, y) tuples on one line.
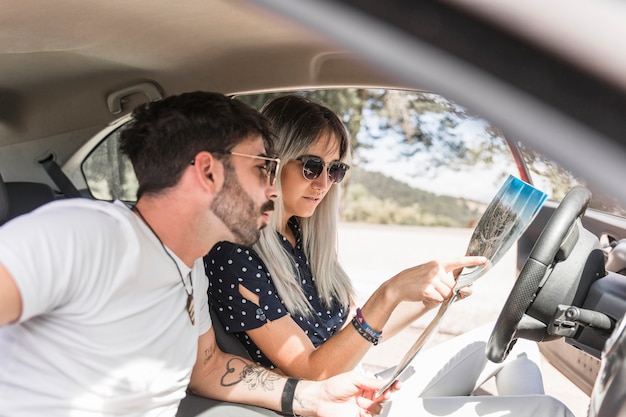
[(555, 180), (108, 173), (418, 159)]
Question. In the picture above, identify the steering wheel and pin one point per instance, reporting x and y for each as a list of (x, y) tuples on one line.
[(541, 257)]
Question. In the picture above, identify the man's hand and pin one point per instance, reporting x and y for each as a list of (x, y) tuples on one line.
[(348, 394)]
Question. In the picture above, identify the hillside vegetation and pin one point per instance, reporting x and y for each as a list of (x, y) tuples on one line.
[(372, 197)]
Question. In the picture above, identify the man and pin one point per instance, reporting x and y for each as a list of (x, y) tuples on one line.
[(103, 308)]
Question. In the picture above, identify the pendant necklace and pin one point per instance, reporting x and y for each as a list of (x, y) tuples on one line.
[(189, 306)]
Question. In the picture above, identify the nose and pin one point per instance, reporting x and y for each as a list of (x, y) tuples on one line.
[(271, 192), (322, 182)]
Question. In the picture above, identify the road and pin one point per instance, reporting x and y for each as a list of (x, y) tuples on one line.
[(372, 254)]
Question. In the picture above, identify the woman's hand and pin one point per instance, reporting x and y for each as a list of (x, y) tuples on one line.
[(432, 282), (465, 292), (428, 284)]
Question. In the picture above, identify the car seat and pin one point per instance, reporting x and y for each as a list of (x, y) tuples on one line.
[(20, 197)]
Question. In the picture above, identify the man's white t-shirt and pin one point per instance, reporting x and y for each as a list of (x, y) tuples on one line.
[(104, 328)]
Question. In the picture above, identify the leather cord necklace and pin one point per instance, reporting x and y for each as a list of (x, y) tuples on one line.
[(190, 307)]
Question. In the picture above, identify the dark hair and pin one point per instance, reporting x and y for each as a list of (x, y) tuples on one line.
[(166, 135)]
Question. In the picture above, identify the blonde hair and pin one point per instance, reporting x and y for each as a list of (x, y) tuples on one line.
[(298, 123)]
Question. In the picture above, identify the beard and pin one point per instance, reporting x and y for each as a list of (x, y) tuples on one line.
[(236, 209)]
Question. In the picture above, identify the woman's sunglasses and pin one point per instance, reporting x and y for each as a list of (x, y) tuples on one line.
[(313, 166)]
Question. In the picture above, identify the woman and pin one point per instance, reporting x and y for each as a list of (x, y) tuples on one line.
[(288, 300)]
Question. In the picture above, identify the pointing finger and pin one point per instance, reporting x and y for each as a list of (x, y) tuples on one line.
[(463, 262)]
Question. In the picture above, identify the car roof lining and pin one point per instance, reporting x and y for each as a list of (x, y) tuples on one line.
[(60, 62)]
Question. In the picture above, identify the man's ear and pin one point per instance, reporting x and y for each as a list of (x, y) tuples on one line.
[(205, 166)]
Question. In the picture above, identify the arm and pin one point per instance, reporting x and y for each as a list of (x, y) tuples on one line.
[(10, 299), (403, 315), (417, 298), (230, 378), (290, 349)]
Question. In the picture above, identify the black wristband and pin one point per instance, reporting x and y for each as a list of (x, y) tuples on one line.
[(286, 401)]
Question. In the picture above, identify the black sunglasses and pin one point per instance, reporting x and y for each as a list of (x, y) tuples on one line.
[(313, 166)]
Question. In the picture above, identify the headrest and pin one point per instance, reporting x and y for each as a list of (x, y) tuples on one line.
[(17, 197), (24, 197)]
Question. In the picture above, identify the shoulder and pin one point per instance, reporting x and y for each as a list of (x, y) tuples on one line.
[(73, 217), (76, 209), (224, 248), (230, 253), (230, 261), (62, 247)]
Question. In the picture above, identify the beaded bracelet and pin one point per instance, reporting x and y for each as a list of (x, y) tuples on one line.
[(366, 326), (364, 329)]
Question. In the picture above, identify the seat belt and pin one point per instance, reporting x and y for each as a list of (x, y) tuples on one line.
[(58, 176)]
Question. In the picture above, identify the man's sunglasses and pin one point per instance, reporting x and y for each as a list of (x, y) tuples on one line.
[(270, 168), (313, 166)]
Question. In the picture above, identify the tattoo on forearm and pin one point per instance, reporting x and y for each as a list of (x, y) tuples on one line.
[(208, 354), (298, 400), (250, 375)]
